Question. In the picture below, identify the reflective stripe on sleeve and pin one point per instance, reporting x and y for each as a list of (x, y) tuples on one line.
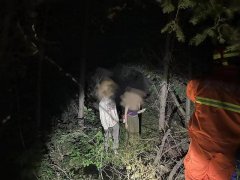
[(218, 104)]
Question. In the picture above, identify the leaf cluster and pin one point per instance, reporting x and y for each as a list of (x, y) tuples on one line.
[(208, 19)]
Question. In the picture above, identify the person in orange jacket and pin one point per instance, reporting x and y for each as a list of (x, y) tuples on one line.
[(214, 127)]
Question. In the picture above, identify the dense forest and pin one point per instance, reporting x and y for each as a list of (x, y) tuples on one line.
[(54, 54)]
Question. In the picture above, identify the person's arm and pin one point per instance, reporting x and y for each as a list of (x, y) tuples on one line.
[(102, 116), (115, 114), (125, 117)]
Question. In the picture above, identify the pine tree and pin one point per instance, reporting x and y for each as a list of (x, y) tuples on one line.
[(212, 19)]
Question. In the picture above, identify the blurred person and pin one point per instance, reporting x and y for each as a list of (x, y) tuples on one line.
[(108, 113), (132, 100)]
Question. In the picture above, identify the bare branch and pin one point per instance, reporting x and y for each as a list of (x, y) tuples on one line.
[(175, 168), (61, 69), (60, 169), (159, 153), (180, 108)]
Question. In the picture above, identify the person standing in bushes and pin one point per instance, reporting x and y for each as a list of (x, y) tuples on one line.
[(132, 100), (108, 113)]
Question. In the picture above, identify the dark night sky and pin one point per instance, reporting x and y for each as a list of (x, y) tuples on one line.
[(134, 28)]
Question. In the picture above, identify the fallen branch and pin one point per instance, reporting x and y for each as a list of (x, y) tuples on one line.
[(159, 153), (60, 169), (175, 146), (175, 168)]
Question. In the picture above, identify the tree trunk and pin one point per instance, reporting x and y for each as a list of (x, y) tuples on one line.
[(83, 64), (164, 89), (39, 78), (39, 90), (81, 90), (188, 107), (188, 102)]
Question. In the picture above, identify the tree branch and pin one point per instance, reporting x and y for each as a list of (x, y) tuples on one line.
[(177, 103), (159, 153), (175, 168)]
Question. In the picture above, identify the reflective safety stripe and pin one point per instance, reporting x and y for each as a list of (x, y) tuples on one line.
[(218, 104)]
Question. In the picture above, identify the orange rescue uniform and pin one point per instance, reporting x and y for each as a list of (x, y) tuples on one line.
[(214, 128)]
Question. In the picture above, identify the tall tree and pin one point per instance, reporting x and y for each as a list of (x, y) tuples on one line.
[(188, 102), (164, 88), (83, 60), (40, 70)]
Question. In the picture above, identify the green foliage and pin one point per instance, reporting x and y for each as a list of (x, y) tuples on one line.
[(233, 47), (221, 13), (174, 27), (199, 38), (179, 33), (167, 6), (136, 161), (91, 154), (169, 27), (71, 152), (184, 4), (90, 117), (45, 171), (200, 14)]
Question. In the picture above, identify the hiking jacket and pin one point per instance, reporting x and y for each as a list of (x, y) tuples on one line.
[(214, 127)]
